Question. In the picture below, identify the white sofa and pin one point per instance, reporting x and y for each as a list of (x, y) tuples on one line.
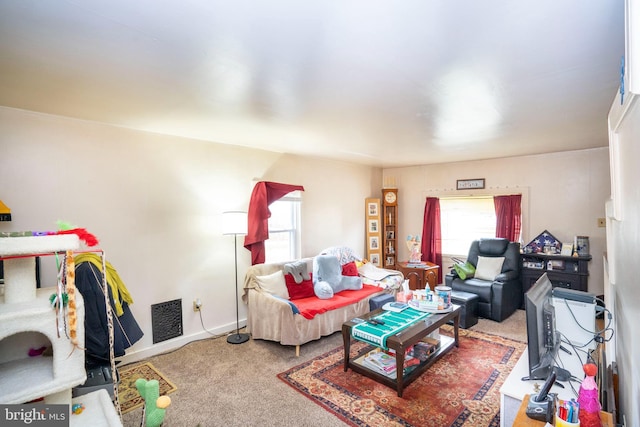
[(272, 318)]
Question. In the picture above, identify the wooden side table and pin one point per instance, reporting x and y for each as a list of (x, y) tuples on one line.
[(420, 276)]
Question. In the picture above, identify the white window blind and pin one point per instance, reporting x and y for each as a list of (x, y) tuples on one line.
[(465, 219)]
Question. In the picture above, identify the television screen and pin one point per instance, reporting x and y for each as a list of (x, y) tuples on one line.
[(542, 337)]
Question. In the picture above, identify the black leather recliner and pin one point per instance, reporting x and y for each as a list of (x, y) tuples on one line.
[(498, 299)]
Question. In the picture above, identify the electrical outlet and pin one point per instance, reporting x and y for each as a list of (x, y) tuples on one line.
[(197, 304), (602, 222)]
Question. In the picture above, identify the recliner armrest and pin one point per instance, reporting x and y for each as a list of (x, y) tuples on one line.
[(506, 276), (448, 278)]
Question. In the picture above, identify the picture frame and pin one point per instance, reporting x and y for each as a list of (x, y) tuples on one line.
[(470, 184), (582, 245), (375, 259), (567, 249), (391, 235), (374, 242), (373, 226), (372, 209)]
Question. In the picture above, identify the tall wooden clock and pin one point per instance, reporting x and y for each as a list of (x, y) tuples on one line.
[(390, 227)]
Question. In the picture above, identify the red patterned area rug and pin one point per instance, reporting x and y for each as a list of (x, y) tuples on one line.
[(460, 389)]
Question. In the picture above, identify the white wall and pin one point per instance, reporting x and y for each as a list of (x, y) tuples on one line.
[(563, 193), (333, 208), (154, 202)]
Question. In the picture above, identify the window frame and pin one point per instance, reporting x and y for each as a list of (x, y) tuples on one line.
[(525, 234), (295, 232), (469, 198)]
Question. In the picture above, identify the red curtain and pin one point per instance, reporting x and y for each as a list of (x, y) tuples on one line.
[(264, 193), (431, 234), (508, 216)]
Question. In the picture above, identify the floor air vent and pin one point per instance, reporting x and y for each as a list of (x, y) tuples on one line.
[(166, 320)]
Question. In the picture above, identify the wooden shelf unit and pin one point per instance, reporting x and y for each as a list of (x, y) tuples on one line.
[(564, 271), (389, 227)]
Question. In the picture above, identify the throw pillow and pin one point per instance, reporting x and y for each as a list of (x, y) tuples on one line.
[(488, 267), (350, 269), (299, 290), (274, 284)]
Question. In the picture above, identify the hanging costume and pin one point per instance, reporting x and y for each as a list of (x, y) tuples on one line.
[(126, 330)]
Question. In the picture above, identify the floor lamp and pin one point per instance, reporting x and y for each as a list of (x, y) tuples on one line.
[(235, 223)]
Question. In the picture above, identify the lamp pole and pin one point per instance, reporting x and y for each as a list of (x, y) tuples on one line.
[(236, 224), (237, 338)]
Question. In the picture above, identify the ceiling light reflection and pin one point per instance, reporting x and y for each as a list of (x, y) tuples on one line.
[(466, 109)]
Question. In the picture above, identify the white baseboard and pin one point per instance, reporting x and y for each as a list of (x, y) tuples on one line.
[(174, 343)]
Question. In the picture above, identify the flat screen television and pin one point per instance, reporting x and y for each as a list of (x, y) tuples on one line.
[(542, 337)]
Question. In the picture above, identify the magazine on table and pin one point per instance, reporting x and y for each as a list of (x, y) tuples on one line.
[(385, 363), (382, 361)]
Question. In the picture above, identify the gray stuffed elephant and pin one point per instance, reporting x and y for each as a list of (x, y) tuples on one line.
[(298, 269), (328, 279)]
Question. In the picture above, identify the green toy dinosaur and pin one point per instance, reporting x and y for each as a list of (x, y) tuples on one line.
[(155, 405)]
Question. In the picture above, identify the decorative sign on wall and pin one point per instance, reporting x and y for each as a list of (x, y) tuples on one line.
[(470, 184)]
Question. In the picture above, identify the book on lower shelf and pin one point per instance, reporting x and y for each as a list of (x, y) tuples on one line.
[(381, 361), (385, 363)]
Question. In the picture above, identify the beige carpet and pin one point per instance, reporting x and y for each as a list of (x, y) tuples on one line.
[(221, 384)]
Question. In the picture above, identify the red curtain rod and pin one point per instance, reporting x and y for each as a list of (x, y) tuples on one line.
[(51, 253)]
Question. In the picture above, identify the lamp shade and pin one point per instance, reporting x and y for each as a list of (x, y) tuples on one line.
[(234, 222)]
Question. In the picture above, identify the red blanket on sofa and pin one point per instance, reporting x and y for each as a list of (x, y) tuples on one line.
[(311, 306)]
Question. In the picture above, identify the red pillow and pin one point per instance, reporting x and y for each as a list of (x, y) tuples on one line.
[(299, 290), (350, 269)]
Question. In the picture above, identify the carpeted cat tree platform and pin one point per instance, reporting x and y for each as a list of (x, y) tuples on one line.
[(39, 357)]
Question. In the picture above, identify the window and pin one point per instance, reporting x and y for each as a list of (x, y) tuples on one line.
[(465, 219), (284, 239)]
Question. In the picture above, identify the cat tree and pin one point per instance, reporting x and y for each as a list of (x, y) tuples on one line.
[(28, 323)]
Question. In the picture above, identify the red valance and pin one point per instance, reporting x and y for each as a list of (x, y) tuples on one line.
[(264, 193)]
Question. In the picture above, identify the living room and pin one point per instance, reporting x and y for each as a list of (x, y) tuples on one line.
[(155, 201)]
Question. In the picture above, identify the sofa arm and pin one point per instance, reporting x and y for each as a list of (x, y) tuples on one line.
[(261, 304), (268, 317)]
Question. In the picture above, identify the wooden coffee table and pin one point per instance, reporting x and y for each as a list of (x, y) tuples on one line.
[(400, 343)]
